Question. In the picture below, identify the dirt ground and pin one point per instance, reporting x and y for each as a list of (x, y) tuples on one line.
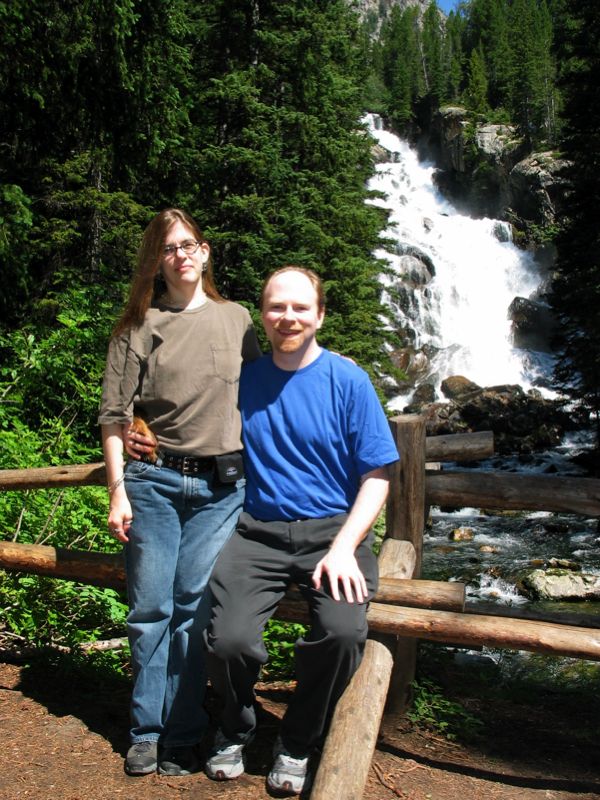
[(64, 736)]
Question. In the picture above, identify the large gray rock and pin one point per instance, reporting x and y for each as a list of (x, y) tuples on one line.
[(562, 584), (450, 125), (522, 422), (495, 141), (537, 188), (457, 387), (378, 10)]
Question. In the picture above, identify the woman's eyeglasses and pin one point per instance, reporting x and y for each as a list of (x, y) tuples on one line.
[(189, 248)]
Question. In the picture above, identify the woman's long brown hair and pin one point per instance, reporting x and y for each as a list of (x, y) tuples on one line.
[(146, 286)]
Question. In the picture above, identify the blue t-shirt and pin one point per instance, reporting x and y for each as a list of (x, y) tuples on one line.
[(309, 436)]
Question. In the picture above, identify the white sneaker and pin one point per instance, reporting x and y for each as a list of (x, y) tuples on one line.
[(226, 760), (288, 773)]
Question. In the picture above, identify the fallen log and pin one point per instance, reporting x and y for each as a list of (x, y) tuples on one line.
[(352, 737), (460, 446), (498, 490)]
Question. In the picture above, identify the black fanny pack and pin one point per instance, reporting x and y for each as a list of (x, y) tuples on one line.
[(229, 467)]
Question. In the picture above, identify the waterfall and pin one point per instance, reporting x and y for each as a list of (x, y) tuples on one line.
[(452, 278)]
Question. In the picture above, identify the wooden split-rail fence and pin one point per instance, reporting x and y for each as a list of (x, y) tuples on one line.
[(405, 608)]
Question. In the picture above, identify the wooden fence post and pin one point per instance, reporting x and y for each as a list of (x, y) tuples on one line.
[(352, 737), (405, 520)]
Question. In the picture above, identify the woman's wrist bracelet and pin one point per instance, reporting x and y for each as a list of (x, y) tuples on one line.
[(112, 486)]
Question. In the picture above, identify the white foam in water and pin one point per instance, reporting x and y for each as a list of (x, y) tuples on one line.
[(497, 589), (505, 541)]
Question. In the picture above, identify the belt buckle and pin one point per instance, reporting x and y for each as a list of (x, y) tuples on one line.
[(187, 464)]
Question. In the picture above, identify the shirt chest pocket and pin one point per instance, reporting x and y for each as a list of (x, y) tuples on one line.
[(226, 363)]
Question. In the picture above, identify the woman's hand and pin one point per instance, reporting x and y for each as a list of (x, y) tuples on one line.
[(119, 514)]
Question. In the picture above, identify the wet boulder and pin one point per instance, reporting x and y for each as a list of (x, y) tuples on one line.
[(380, 154), (532, 324), (562, 584), (522, 422), (462, 534), (457, 388)]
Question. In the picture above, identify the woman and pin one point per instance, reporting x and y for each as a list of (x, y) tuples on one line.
[(174, 359)]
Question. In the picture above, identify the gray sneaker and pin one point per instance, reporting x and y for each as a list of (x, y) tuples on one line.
[(289, 774), (142, 758), (226, 760)]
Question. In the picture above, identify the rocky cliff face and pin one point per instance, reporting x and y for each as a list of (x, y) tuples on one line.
[(379, 9), (486, 168)]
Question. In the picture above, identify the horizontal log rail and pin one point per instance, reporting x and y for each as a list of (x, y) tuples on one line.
[(53, 477), (389, 613), (452, 447), (466, 630), (498, 490), (473, 631), (455, 489), (489, 608), (98, 569), (460, 446), (107, 569)]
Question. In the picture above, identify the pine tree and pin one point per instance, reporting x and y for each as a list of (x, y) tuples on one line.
[(532, 79), (453, 56), (477, 87), (282, 163), (576, 293), (92, 117), (487, 30), (402, 63), (434, 75)]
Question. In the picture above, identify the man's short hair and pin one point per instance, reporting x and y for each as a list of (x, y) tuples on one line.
[(309, 273)]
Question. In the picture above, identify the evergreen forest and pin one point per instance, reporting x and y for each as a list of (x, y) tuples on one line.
[(247, 113)]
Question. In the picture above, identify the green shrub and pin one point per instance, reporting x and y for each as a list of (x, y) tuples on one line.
[(431, 708)]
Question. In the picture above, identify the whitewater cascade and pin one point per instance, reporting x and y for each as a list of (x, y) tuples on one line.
[(453, 277)]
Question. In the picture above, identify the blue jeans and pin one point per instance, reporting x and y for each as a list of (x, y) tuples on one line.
[(180, 523)]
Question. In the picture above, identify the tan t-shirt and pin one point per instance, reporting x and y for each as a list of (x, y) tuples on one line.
[(180, 371)]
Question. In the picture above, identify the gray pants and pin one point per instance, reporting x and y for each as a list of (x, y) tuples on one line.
[(252, 573)]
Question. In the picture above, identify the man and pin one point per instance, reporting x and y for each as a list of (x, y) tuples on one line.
[(317, 445)]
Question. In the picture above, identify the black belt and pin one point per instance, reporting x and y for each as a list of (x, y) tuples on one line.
[(187, 465)]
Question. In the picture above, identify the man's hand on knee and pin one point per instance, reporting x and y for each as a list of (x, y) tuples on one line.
[(341, 568)]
